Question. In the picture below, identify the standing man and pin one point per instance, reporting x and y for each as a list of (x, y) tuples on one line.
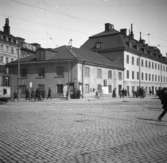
[(163, 98)]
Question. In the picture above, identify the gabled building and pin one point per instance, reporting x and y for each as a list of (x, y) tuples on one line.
[(144, 66), (65, 67)]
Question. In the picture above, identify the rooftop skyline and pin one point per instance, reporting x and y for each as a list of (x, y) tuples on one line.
[(53, 23)]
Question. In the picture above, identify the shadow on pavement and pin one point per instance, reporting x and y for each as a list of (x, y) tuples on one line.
[(151, 121)]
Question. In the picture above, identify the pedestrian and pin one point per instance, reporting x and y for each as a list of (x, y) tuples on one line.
[(32, 94), (163, 98), (27, 94), (49, 93), (15, 96)]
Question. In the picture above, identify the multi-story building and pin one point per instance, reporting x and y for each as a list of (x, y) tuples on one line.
[(144, 66), (12, 48), (66, 66)]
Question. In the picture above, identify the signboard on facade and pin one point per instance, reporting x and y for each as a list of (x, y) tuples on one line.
[(30, 84)]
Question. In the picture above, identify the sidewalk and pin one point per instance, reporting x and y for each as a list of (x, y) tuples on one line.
[(103, 98)]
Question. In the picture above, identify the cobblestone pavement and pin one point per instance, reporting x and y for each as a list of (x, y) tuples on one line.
[(83, 131)]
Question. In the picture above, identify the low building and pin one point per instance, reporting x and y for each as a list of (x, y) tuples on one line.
[(64, 67), (144, 66)]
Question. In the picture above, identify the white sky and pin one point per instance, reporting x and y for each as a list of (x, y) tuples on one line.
[(53, 22)]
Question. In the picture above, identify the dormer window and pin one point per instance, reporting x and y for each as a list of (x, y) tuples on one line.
[(98, 45), (135, 47)]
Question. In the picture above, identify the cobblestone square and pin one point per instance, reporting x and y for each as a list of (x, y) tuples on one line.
[(83, 131)]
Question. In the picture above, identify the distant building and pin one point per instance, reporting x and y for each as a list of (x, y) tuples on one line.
[(12, 47), (65, 67), (144, 66)]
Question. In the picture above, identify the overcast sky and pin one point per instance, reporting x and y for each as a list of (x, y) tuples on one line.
[(53, 22)]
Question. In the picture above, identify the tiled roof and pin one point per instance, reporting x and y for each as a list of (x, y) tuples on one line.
[(72, 54), (112, 41), (104, 33)]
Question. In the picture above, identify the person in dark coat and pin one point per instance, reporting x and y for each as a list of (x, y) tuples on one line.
[(163, 98), (49, 93)]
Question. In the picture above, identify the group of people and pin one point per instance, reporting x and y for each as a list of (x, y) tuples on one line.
[(35, 95), (140, 92)]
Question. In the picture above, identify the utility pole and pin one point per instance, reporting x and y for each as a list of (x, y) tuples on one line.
[(18, 73)]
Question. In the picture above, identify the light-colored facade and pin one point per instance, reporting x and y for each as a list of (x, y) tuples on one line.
[(143, 65), (143, 72)]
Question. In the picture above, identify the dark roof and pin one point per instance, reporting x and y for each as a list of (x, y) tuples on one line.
[(104, 33), (113, 41), (65, 53)]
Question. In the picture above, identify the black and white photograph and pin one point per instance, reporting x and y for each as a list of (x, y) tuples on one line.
[(83, 81)]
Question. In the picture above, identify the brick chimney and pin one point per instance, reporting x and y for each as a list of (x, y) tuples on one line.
[(123, 31), (109, 27)]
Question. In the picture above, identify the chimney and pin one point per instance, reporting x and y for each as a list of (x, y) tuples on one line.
[(108, 27), (131, 31), (6, 27), (143, 41), (140, 37), (123, 31)]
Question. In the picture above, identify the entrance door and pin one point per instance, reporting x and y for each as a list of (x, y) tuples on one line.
[(60, 88)]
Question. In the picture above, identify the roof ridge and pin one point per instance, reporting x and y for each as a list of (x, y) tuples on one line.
[(72, 52)]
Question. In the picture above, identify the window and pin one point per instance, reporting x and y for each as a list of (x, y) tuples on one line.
[(137, 61), (23, 72), (133, 60), (7, 59), (146, 63), (142, 76), (149, 65), (127, 59), (99, 73), (1, 59), (127, 74), (7, 48), (105, 82), (155, 66), (149, 77), (110, 88), (137, 75), (1, 46), (110, 74), (146, 76), (98, 45), (60, 71), (142, 62), (87, 72), (42, 55), (152, 77), (99, 88), (120, 75), (155, 77), (152, 65), (133, 74), (12, 50), (86, 88), (41, 72)]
